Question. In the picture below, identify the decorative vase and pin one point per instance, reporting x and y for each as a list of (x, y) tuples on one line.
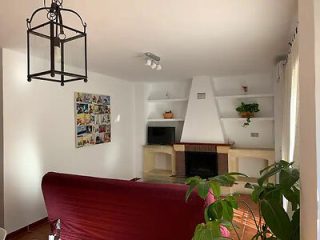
[(168, 115)]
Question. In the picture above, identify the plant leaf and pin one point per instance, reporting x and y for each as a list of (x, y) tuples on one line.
[(209, 231), (295, 225), (215, 229), (224, 180), (292, 197), (273, 194), (255, 195), (288, 177), (276, 218), (206, 215), (267, 175), (232, 201), (192, 182), (216, 188), (227, 211), (215, 211), (281, 164), (203, 189), (188, 193)]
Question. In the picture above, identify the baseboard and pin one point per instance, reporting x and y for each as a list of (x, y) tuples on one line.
[(25, 229)]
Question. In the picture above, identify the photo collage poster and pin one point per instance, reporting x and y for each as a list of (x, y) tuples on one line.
[(93, 119)]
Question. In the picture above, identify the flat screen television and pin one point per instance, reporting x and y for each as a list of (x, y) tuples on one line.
[(161, 135)]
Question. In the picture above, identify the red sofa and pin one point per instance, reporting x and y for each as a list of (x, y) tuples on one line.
[(105, 209)]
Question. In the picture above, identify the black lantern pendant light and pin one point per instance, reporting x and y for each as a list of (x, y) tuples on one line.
[(56, 37)]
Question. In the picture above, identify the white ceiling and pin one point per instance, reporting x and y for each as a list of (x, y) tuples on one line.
[(192, 37)]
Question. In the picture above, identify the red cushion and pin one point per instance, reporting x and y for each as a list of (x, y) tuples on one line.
[(104, 209)]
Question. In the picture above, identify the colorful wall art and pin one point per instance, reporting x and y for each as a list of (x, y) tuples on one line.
[(93, 119)]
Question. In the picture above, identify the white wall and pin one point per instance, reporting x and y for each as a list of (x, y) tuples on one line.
[(39, 136), (145, 110), (257, 83), (164, 90), (232, 85), (207, 130)]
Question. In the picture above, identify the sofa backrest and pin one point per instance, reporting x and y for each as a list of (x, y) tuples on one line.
[(108, 209)]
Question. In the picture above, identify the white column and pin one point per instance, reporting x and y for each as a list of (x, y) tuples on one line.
[(309, 89), (317, 90), (1, 145)]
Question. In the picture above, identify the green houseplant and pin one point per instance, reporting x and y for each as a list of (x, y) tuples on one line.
[(218, 213), (274, 221), (269, 197), (247, 110)]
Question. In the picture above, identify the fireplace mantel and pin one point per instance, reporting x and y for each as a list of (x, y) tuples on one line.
[(219, 147)]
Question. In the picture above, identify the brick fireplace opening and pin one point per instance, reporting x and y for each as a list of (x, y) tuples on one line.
[(201, 159), (202, 164)]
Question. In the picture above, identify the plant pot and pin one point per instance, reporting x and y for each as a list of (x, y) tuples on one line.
[(168, 115), (247, 114)]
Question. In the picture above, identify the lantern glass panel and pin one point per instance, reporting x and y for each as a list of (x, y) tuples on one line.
[(39, 50), (74, 55)]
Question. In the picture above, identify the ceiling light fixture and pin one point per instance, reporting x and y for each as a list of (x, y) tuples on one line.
[(153, 61), (154, 65), (54, 32), (148, 62)]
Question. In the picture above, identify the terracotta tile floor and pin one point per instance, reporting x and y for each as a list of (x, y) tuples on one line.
[(38, 233), (243, 220)]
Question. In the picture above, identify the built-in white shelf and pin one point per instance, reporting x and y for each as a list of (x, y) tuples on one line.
[(263, 95), (252, 119), (165, 120), (167, 100)]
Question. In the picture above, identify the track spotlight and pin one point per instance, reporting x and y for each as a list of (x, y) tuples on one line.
[(149, 62), (153, 61), (159, 67), (154, 65)]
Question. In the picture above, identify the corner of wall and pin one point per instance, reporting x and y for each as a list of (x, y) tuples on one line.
[(139, 132)]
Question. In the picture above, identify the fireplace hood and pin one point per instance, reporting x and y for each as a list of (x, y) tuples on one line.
[(202, 122)]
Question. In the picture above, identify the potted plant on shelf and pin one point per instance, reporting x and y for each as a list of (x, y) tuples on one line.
[(247, 110), (273, 221), (168, 115)]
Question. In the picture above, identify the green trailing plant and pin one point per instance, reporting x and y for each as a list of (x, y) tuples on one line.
[(273, 221), (247, 111)]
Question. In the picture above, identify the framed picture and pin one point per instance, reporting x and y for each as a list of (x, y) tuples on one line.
[(92, 119)]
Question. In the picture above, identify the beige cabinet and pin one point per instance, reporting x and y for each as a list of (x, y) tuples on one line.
[(149, 165)]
